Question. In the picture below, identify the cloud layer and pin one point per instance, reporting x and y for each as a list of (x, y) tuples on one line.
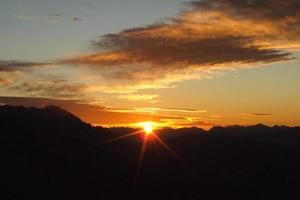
[(208, 35)]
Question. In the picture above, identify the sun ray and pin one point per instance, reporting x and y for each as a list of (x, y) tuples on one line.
[(148, 131), (119, 138), (173, 153), (140, 161)]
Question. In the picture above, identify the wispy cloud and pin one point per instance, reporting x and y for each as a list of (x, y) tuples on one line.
[(154, 110), (8, 78), (75, 19), (26, 17), (50, 18), (184, 110), (139, 97), (4, 81), (55, 14), (255, 114), (15, 65), (54, 17), (54, 88)]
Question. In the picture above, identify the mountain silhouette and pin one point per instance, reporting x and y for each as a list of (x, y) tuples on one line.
[(49, 153), (277, 134)]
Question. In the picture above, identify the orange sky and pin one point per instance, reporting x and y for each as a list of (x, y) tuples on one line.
[(201, 63)]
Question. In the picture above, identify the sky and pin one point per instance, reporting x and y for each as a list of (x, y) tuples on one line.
[(178, 63)]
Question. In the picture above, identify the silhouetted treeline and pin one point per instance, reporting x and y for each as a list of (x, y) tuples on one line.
[(49, 153)]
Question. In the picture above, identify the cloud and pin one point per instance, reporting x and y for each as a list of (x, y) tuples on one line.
[(26, 17), (182, 110), (209, 35), (55, 88), (76, 19), (14, 65), (255, 114), (4, 81), (8, 78), (139, 97), (55, 15), (255, 9), (155, 110), (50, 18)]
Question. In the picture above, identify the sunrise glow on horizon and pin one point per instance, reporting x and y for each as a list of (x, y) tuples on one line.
[(148, 127)]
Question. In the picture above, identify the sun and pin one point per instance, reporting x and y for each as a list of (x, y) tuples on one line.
[(148, 127)]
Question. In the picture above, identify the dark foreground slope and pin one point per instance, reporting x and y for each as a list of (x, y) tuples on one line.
[(49, 153)]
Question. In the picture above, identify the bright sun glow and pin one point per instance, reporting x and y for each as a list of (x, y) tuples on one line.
[(148, 127)]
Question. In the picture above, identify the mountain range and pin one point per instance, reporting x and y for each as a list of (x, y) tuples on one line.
[(49, 153)]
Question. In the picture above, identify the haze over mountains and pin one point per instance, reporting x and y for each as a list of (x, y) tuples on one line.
[(50, 153)]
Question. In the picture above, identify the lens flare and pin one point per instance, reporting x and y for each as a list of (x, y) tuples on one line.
[(148, 127)]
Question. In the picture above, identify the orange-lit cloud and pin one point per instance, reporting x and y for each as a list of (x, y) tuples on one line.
[(8, 78), (138, 97), (4, 81), (208, 35), (182, 110), (158, 110)]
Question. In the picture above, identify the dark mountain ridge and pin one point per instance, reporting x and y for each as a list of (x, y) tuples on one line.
[(261, 133), (276, 134), (49, 153)]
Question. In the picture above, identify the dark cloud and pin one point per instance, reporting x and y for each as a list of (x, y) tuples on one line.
[(76, 19), (172, 52), (261, 114), (13, 65), (254, 9), (255, 114), (55, 15), (209, 34), (283, 15), (50, 88)]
